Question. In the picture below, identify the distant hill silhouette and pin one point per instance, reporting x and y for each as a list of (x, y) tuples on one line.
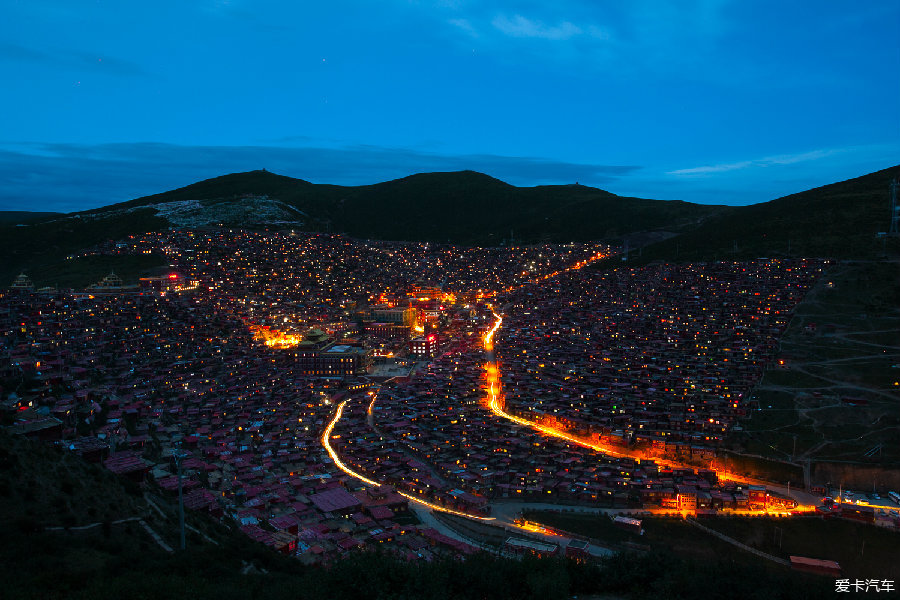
[(14, 217), (838, 220), (42, 247), (461, 207)]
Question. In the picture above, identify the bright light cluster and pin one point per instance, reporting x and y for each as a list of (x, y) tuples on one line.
[(274, 338)]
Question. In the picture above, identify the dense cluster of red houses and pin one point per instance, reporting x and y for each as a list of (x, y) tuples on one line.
[(661, 356), (432, 435), (128, 377)]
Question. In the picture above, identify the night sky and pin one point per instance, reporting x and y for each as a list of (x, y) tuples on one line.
[(710, 101)]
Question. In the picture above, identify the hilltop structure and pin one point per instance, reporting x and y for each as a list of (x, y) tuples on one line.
[(111, 284), (22, 283)]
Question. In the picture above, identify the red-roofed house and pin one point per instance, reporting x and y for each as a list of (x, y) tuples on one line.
[(336, 500)]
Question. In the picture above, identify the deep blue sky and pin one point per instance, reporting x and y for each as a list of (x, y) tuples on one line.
[(712, 101)]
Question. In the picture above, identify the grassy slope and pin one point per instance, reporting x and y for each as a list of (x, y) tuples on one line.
[(12, 217), (837, 220), (860, 549), (465, 207), (472, 208), (45, 245), (81, 272), (41, 486), (856, 307)]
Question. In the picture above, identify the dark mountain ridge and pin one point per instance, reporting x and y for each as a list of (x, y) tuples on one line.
[(462, 207), (839, 220)]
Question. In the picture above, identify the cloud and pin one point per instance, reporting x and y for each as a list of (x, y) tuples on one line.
[(677, 38), (763, 179), (464, 25), (784, 159), (519, 26), (21, 53), (70, 59), (69, 177)]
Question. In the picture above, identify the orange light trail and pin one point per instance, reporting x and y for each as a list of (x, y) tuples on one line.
[(492, 374), (580, 264), (599, 255), (493, 379), (489, 336), (326, 443)]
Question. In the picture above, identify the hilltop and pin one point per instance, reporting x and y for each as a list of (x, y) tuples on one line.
[(839, 220), (461, 207)]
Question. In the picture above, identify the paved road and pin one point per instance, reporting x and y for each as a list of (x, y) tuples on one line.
[(428, 520), (801, 496), (507, 512)]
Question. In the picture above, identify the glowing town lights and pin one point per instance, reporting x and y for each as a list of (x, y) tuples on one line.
[(493, 379), (274, 338), (489, 336), (326, 443), (535, 528), (492, 376)]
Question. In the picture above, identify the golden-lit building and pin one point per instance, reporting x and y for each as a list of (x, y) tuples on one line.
[(425, 291), (389, 331), (424, 346), (319, 356), (163, 284), (398, 315)]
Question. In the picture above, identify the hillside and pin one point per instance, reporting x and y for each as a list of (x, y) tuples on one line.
[(462, 207), (14, 217), (49, 500), (839, 220), (41, 249), (469, 207)]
